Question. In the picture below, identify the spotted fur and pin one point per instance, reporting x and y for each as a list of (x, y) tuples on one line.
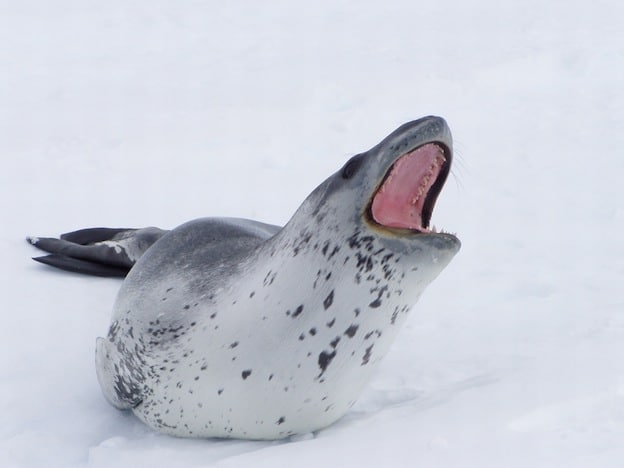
[(225, 328)]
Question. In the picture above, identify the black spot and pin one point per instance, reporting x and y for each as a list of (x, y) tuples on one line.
[(234, 345), (367, 355), (301, 242), (302, 337), (350, 332), (175, 330), (325, 359), (357, 311), (376, 303), (335, 342), (368, 335), (364, 262), (187, 307), (246, 373), (271, 377), (169, 289), (252, 294), (220, 391), (281, 420), (312, 331), (329, 300), (297, 311), (395, 314), (331, 323)]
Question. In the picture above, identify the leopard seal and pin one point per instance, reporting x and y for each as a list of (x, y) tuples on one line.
[(238, 329)]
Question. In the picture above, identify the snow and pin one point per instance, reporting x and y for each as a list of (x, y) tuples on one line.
[(137, 113)]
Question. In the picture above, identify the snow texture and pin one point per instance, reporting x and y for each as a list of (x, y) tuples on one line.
[(138, 113)]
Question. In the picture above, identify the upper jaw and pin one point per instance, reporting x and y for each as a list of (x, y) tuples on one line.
[(413, 134)]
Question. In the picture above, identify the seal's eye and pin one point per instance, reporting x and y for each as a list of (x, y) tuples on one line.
[(352, 166)]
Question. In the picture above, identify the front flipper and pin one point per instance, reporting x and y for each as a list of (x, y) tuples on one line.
[(97, 251), (120, 375)]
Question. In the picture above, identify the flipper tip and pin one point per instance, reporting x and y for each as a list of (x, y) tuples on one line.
[(32, 240)]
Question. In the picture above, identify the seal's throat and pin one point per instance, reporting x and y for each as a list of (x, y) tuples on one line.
[(410, 188)]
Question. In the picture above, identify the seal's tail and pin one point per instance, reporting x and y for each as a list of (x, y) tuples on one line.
[(97, 251)]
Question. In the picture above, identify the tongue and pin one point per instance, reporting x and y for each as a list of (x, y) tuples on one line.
[(399, 202)]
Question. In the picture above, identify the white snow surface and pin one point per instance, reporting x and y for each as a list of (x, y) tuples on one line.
[(137, 113)]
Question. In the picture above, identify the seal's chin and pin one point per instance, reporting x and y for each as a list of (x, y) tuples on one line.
[(408, 193)]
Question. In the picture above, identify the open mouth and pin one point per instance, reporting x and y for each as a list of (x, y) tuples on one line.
[(408, 193)]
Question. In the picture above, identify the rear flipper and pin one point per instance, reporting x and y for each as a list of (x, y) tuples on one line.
[(97, 251)]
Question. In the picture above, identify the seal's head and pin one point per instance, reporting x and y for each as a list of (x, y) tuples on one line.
[(389, 192)]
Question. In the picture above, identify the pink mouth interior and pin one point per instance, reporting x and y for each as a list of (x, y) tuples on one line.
[(399, 202)]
